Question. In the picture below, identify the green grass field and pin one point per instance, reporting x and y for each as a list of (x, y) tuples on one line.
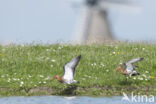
[(27, 69)]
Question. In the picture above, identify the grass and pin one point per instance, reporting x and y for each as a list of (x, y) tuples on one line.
[(27, 69)]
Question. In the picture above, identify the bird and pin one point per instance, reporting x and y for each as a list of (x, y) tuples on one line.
[(128, 67), (69, 71)]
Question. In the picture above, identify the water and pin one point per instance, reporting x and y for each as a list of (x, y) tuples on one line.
[(65, 100)]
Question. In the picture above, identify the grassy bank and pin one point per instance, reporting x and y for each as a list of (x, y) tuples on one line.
[(26, 69)]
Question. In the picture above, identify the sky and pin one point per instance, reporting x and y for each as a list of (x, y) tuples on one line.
[(27, 21)]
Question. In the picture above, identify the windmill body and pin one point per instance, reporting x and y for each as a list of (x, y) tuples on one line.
[(94, 25), (98, 28)]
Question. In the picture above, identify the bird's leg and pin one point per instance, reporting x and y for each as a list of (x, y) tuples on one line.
[(53, 78), (130, 75), (136, 66), (65, 86), (127, 78)]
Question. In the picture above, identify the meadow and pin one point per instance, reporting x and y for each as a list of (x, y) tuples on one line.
[(27, 69)]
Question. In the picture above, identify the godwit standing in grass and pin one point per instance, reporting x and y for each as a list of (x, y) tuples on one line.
[(69, 70), (128, 68)]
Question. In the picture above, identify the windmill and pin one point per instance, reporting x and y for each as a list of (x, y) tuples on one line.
[(94, 24)]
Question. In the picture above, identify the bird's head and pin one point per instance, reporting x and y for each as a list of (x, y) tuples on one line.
[(122, 66), (57, 77)]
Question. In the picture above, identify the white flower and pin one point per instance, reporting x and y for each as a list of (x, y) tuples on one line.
[(22, 45), (15, 79), (144, 75), (41, 76), (3, 59), (94, 64), (59, 48), (146, 72), (53, 60), (22, 83), (83, 78), (40, 82), (134, 78), (29, 76), (102, 64), (114, 52), (143, 48), (47, 78), (89, 76), (140, 78), (107, 70), (2, 76), (9, 79), (47, 58), (44, 82), (3, 50), (51, 66), (47, 50)]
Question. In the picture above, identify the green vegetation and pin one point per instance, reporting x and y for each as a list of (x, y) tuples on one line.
[(27, 69)]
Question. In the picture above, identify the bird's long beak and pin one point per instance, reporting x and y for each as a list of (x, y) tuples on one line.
[(53, 78), (115, 69), (118, 68)]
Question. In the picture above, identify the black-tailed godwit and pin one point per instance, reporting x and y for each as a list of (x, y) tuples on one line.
[(69, 71), (128, 68)]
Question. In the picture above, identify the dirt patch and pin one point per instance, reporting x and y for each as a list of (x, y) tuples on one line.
[(77, 91), (46, 90)]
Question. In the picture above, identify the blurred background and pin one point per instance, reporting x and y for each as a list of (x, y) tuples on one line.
[(77, 21)]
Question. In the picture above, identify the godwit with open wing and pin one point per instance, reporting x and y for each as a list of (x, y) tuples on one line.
[(69, 71), (128, 68)]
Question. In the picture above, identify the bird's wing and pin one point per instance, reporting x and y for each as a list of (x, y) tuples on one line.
[(134, 60), (69, 68), (129, 67)]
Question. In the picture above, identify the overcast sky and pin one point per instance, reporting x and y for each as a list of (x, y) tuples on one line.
[(25, 21)]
